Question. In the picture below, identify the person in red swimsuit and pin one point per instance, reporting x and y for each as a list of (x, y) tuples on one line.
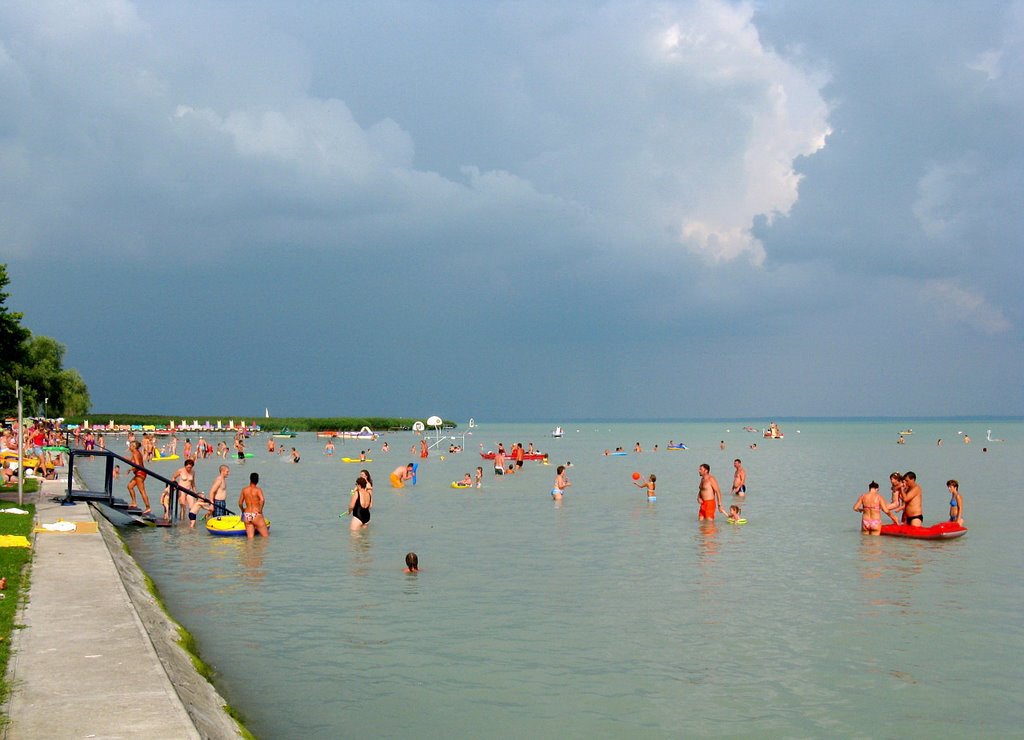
[(138, 481), (709, 496)]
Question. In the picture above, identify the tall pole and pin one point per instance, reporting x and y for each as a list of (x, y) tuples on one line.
[(21, 446)]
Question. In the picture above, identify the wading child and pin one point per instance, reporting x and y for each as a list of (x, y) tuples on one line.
[(735, 515), (648, 485), (956, 502)]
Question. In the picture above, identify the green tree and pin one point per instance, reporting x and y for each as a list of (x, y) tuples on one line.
[(12, 346), (38, 363)]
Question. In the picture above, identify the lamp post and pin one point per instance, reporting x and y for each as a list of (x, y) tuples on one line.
[(21, 446), (44, 406)]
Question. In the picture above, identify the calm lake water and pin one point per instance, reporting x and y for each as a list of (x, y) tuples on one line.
[(608, 616)]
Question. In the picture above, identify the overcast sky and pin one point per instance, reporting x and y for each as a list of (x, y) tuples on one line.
[(520, 211)]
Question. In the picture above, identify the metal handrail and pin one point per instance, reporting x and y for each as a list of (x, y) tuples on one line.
[(108, 480)]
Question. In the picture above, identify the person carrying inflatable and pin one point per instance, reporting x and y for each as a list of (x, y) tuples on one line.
[(400, 475)]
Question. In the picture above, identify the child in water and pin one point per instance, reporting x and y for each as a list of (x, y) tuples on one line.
[(735, 515), (479, 476), (561, 483), (467, 480), (956, 502), (412, 563), (648, 485)]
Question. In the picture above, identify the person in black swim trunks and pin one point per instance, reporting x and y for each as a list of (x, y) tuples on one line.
[(360, 504), (913, 512)]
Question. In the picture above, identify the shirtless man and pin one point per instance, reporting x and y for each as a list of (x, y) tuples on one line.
[(912, 506), (499, 460), (739, 480), (400, 475), (219, 491), (138, 481), (518, 455), (185, 477), (239, 448), (709, 496), (251, 502), (871, 505)]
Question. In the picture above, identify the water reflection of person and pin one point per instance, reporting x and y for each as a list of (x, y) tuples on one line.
[(362, 552), (250, 561)]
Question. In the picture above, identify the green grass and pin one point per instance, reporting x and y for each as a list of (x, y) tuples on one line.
[(13, 562), (31, 486)]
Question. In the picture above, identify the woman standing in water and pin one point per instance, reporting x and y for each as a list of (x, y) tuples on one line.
[(360, 504)]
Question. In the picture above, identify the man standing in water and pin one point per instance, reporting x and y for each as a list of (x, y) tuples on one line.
[(219, 491), (913, 512), (709, 496), (739, 480), (251, 501), (138, 481)]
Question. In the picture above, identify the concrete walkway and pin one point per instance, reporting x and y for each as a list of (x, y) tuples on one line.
[(96, 657)]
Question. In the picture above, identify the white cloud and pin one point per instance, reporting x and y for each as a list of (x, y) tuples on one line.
[(956, 303)]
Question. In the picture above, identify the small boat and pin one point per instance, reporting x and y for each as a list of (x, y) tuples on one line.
[(905, 432), (285, 433), (364, 433), (509, 458), (227, 526), (677, 447), (940, 531), (324, 435), (557, 432)]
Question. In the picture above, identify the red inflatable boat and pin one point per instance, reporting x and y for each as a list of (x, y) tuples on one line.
[(940, 531)]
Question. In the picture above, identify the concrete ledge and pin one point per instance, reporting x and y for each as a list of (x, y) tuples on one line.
[(202, 701)]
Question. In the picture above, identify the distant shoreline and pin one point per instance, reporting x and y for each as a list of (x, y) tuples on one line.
[(291, 423)]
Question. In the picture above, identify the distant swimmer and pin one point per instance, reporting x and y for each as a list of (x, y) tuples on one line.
[(739, 480), (400, 475), (412, 563), (329, 447), (709, 496)]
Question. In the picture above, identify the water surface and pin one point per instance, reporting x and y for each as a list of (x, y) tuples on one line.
[(606, 615)]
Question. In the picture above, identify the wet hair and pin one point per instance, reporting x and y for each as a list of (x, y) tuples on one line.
[(872, 486), (254, 478), (911, 475), (412, 561), (366, 474), (738, 510), (361, 482), (706, 467), (953, 482), (738, 460), (561, 469), (653, 477)]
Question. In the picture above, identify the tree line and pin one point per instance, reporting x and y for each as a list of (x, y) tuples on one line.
[(37, 363)]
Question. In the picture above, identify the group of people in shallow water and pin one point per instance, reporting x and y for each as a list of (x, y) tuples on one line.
[(907, 499)]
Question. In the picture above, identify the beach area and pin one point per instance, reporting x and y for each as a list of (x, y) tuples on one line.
[(604, 614)]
